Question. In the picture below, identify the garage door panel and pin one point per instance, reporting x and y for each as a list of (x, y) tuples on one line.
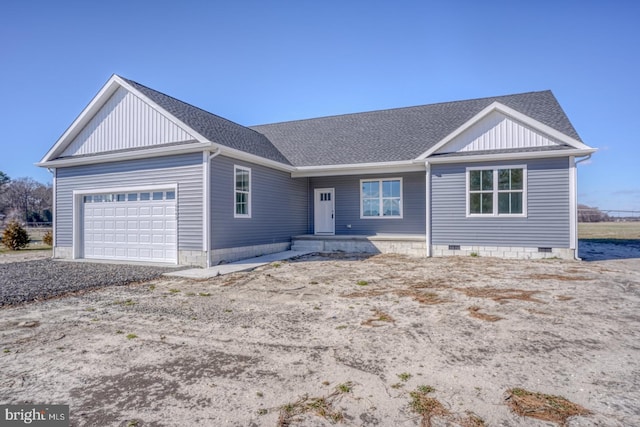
[(137, 230)]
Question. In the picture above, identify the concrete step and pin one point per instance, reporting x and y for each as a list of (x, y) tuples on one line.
[(307, 245)]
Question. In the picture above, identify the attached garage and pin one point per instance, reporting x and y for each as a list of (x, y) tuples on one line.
[(129, 226)]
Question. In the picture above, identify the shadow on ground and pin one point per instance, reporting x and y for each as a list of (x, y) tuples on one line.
[(608, 249)]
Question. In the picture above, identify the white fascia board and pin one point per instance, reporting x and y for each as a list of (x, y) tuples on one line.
[(98, 101), (161, 110), (83, 118), (128, 155), (358, 169), (252, 158), (508, 111), (512, 156)]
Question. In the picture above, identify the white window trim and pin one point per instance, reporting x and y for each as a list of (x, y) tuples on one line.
[(237, 168), (362, 216), (495, 191)]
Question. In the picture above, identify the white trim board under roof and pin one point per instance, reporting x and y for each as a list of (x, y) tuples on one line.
[(528, 122), (394, 140), (96, 104)]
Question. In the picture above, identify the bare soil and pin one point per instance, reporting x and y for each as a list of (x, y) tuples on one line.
[(306, 342)]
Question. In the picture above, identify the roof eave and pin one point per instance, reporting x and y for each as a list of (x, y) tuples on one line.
[(127, 155), (357, 169), (109, 88), (514, 114), (575, 152)]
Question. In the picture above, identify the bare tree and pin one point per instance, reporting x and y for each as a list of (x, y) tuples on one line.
[(27, 199), (591, 214)]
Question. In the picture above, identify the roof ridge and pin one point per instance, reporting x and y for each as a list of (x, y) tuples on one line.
[(402, 108), (186, 103)]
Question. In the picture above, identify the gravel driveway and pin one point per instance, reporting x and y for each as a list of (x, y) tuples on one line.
[(36, 280)]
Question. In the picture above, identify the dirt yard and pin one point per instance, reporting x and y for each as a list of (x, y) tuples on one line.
[(358, 341)]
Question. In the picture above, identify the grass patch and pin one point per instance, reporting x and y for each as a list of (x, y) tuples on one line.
[(541, 406), (404, 377), (474, 311), (321, 406), (29, 248), (425, 406), (557, 277), (174, 291), (380, 316), (609, 230), (204, 294), (131, 336), (362, 283), (500, 295), (415, 292)]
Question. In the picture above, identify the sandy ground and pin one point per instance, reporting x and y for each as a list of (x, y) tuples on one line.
[(361, 332)]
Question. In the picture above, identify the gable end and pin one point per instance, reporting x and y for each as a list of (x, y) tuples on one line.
[(497, 131), (125, 122)]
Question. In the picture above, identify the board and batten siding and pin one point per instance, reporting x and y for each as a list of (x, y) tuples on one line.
[(184, 170), (125, 122), (347, 205), (497, 132), (548, 211), (278, 206)]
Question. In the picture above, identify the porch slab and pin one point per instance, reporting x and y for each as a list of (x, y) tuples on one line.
[(406, 244), (242, 265)]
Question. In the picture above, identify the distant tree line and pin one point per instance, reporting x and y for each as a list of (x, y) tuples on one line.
[(592, 214), (25, 200)]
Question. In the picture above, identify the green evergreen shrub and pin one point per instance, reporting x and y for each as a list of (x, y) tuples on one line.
[(15, 237)]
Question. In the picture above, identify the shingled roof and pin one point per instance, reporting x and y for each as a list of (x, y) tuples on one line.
[(369, 137), (397, 134), (215, 128)]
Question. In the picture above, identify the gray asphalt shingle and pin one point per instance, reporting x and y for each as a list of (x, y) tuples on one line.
[(215, 128), (396, 134), (369, 137)]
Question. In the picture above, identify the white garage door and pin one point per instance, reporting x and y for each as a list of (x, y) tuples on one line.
[(137, 226)]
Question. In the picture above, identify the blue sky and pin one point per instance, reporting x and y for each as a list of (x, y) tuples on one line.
[(257, 62)]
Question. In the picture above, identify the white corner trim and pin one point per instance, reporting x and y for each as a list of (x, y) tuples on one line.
[(573, 204), (428, 208), (508, 111)]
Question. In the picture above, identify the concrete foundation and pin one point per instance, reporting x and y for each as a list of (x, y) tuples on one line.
[(245, 252)]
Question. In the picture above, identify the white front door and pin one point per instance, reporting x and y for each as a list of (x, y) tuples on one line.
[(324, 215)]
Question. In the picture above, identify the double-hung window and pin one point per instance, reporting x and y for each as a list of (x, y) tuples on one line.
[(242, 192), (381, 198), (497, 191)]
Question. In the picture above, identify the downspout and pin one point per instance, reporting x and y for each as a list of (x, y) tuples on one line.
[(574, 222), (54, 172), (208, 156), (427, 206)]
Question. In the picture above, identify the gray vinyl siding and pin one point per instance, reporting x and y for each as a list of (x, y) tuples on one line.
[(547, 221), (278, 206), (185, 170), (347, 205)]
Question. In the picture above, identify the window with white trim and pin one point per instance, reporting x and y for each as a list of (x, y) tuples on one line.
[(497, 191), (242, 190), (381, 198)]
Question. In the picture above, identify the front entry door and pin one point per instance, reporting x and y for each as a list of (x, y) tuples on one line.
[(324, 211)]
